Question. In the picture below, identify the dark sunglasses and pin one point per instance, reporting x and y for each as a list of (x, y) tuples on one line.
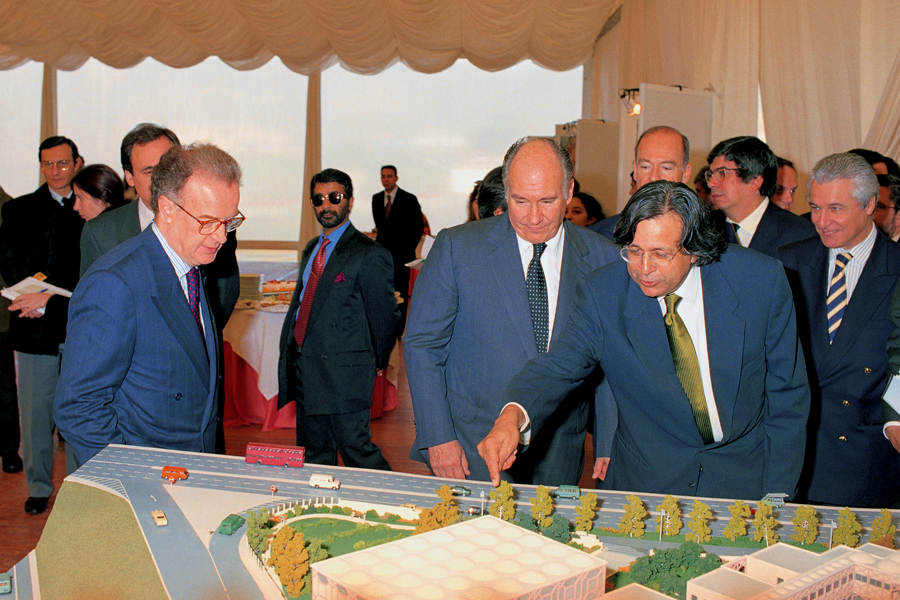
[(333, 197)]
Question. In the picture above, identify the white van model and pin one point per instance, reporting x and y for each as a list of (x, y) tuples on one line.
[(319, 480)]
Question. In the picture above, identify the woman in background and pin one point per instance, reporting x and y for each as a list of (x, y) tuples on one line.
[(584, 210), (97, 188)]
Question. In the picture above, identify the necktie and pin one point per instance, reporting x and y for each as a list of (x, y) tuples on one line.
[(193, 285), (837, 294), (387, 205), (687, 367), (731, 235), (309, 293), (536, 286)]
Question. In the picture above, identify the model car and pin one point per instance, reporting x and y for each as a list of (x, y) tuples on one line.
[(159, 517), (459, 490)]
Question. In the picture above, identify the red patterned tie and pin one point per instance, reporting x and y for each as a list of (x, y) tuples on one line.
[(193, 284), (309, 294)]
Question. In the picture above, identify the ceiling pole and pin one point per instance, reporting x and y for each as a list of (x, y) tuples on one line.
[(48, 109), (309, 228)]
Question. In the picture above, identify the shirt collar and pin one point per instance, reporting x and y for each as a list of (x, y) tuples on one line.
[(690, 289), (751, 221), (181, 267), (554, 244), (861, 250), (58, 197)]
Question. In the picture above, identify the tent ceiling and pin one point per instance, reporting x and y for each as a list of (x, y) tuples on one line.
[(365, 36)]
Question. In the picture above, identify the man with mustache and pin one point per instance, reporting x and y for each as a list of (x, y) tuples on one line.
[(340, 328)]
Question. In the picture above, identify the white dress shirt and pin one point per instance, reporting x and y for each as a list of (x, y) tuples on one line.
[(691, 311), (145, 215), (181, 268), (747, 227)]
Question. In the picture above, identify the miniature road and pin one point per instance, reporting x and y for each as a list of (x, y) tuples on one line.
[(195, 562)]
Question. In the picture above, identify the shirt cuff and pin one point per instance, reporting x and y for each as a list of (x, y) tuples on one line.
[(886, 425), (525, 429)]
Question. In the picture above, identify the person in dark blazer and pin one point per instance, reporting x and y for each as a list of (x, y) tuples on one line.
[(9, 404), (471, 328), (742, 177), (849, 461), (40, 233), (399, 228), (142, 356), (340, 329), (740, 437)]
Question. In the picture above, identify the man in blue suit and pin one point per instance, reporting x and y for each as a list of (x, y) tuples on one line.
[(712, 397), (140, 362), (843, 283), (471, 326)]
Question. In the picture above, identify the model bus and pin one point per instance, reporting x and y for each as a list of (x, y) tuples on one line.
[(275, 454)]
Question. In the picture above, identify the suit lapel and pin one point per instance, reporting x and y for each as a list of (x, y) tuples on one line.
[(813, 275), (169, 298), (506, 264), (574, 267), (767, 230), (724, 341), (333, 267)]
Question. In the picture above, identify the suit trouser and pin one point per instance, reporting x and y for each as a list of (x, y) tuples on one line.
[(324, 436), (9, 405), (38, 374)]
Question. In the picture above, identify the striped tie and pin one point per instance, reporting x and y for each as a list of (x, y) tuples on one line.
[(837, 294)]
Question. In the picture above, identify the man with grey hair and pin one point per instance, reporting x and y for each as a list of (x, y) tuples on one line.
[(141, 361), (843, 283), (493, 294)]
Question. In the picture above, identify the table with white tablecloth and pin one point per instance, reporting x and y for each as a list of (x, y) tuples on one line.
[(251, 373)]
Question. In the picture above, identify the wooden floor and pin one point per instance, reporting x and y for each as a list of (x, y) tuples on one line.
[(394, 433)]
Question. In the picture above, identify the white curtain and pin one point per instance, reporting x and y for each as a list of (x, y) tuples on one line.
[(308, 35)]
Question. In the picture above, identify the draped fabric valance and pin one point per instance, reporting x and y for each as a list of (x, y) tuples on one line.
[(364, 36)]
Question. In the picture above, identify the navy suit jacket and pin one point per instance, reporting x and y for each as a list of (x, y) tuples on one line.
[(135, 368), (849, 462), (757, 371), (777, 227), (470, 332), (351, 330)]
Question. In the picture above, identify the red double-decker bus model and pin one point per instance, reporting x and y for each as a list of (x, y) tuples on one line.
[(275, 454)]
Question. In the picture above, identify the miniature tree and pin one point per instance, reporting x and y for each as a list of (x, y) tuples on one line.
[(542, 507), (446, 511), (699, 526), (632, 522), (806, 524), (524, 520), (669, 519), (503, 506), (559, 529), (316, 551), (883, 530), (668, 571), (765, 524), (586, 512), (290, 559), (427, 521), (848, 529), (256, 530), (737, 524)]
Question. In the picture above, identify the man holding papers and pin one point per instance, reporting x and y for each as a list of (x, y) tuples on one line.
[(40, 233)]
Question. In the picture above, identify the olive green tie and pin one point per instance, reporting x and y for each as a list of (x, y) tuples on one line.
[(687, 367)]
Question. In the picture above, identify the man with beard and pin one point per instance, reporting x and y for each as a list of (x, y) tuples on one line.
[(340, 328)]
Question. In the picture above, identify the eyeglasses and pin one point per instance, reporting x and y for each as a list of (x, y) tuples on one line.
[(64, 165), (719, 174), (633, 255), (333, 197), (211, 226), (880, 206)]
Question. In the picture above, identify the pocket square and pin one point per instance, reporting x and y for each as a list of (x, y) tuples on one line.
[(340, 278)]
